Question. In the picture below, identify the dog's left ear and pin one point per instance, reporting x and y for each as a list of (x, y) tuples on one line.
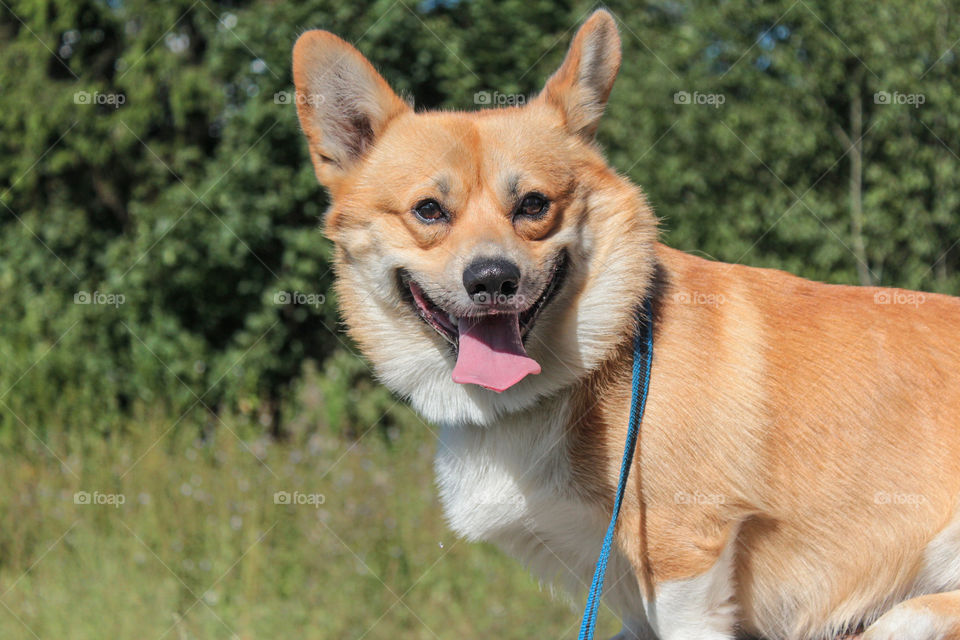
[(582, 84)]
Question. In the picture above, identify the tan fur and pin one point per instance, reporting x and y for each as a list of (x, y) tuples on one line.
[(782, 413)]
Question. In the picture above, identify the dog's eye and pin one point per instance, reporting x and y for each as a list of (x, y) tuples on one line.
[(429, 211), (532, 205)]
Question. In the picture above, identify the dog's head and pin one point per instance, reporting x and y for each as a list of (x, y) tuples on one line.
[(474, 250)]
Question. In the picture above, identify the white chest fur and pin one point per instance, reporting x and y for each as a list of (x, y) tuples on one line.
[(511, 484)]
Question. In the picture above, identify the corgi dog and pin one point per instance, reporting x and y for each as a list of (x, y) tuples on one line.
[(797, 472)]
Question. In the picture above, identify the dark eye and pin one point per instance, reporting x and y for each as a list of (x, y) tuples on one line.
[(532, 205), (429, 211)]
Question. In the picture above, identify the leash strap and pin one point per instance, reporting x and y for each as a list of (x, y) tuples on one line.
[(642, 360)]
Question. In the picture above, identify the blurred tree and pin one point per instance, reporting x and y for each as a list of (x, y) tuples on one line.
[(824, 141)]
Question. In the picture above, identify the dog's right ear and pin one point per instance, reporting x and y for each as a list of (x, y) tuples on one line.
[(342, 102)]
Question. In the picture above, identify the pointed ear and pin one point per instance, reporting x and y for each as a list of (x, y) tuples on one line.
[(582, 84), (342, 102)]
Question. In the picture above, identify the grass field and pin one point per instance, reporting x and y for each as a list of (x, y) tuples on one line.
[(200, 547)]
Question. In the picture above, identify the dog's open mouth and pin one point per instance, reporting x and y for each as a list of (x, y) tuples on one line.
[(489, 346)]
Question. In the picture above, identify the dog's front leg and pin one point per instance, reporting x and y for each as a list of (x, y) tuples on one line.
[(699, 605)]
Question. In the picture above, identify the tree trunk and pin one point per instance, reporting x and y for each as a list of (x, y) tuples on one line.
[(856, 187)]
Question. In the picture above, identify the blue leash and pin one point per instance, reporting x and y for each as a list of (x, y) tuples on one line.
[(642, 360)]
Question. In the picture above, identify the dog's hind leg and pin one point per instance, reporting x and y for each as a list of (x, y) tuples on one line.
[(930, 617)]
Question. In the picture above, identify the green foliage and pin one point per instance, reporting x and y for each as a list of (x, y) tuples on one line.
[(192, 203), (765, 177), (194, 199)]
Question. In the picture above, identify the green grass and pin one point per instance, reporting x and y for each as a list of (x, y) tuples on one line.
[(200, 549)]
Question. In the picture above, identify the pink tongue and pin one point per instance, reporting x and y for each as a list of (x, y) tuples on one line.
[(491, 353)]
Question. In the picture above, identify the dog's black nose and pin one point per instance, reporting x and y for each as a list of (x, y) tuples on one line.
[(485, 279)]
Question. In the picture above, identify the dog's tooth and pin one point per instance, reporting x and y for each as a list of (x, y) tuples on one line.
[(454, 320)]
